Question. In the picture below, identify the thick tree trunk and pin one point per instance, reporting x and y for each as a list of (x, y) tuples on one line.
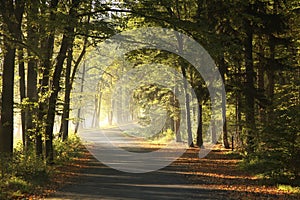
[(47, 46), (31, 90), (44, 89), (7, 106), (249, 88), (11, 13), (31, 111)]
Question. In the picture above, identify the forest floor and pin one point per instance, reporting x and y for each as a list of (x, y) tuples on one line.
[(217, 176), (220, 170)]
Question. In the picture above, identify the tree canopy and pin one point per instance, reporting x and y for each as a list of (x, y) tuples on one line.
[(48, 60)]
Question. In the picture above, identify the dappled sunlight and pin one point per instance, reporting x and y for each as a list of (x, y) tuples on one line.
[(219, 171)]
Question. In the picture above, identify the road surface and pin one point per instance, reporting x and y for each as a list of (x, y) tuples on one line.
[(99, 181)]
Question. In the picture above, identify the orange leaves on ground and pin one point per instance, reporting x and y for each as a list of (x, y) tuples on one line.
[(219, 171)]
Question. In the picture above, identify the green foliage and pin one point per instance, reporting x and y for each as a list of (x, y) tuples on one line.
[(164, 137), (220, 26), (278, 145), (68, 150), (25, 173), (289, 188), (234, 155), (277, 157), (21, 174)]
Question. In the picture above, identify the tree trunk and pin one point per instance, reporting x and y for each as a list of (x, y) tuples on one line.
[(75, 69), (200, 127), (187, 108), (261, 82), (99, 109), (22, 95), (68, 87), (249, 88), (81, 91), (225, 134), (53, 97), (95, 112), (47, 46), (7, 106), (214, 139), (66, 43), (31, 111), (175, 119), (31, 86), (222, 68), (11, 13), (187, 97), (270, 78), (111, 112)]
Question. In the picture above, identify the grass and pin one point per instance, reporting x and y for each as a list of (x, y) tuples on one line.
[(233, 155), (289, 188), (163, 138)]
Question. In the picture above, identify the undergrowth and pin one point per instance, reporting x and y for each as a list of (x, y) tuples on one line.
[(25, 174)]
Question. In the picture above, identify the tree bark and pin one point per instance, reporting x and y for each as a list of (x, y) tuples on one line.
[(187, 108), (270, 78), (53, 97), (22, 95), (70, 77), (200, 127), (68, 88), (261, 81), (75, 69), (12, 14), (7, 106), (66, 43), (33, 42), (222, 68), (249, 87), (176, 117), (81, 91), (47, 46), (187, 97)]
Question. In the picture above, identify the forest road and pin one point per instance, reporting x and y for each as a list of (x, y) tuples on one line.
[(98, 181)]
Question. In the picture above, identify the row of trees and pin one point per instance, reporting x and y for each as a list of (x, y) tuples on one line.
[(44, 41), (255, 45)]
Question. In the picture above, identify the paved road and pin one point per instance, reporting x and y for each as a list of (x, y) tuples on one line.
[(98, 181)]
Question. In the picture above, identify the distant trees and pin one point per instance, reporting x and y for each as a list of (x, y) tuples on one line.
[(256, 47), (51, 38)]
